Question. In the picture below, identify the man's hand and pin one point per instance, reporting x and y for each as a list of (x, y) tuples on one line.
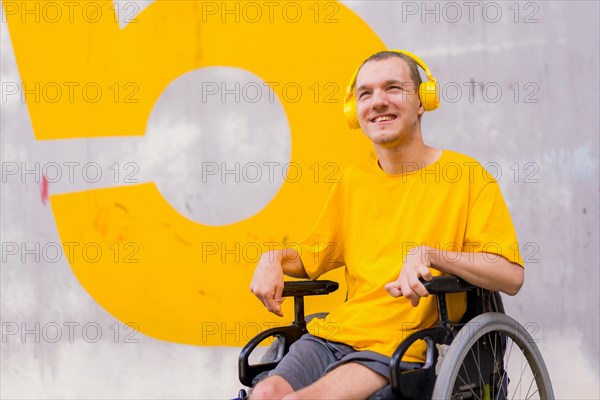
[(416, 265), (267, 283)]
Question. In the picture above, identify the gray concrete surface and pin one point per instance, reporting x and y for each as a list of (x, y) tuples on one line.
[(543, 138)]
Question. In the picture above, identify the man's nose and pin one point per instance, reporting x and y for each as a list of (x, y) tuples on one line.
[(379, 99)]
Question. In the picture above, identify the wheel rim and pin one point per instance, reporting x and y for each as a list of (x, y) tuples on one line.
[(495, 358)]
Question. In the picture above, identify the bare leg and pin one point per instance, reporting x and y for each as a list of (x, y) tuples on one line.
[(348, 381), (272, 388)]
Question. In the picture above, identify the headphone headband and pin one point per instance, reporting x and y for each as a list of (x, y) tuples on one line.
[(416, 58)]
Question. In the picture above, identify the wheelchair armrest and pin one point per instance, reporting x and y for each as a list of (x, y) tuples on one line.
[(308, 288), (288, 334), (447, 284), (247, 372), (440, 286), (299, 289), (417, 383)]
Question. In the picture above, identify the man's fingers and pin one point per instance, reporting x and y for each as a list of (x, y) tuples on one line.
[(268, 299), (272, 305), (425, 272), (273, 300), (269, 293), (393, 288), (279, 313), (415, 283), (407, 291), (412, 296), (278, 303), (278, 299), (418, 288)]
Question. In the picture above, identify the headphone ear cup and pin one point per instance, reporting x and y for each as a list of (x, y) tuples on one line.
[(429, 95), (350, 113)]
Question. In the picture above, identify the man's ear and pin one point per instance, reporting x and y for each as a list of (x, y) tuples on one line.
[(421, 108)]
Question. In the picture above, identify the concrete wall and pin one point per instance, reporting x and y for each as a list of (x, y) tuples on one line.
[(520, 93)]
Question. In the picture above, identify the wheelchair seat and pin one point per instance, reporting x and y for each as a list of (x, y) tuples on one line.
[(472, 359)]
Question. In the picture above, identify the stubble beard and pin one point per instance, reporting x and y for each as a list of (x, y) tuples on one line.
[(391, 138)]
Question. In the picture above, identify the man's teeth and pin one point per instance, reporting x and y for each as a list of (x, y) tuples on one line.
[(384, 118)]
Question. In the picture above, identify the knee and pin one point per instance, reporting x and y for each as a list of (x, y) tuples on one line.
[(271, 388)]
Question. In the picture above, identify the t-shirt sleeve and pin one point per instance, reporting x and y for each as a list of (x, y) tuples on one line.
[(489, 226), (322, 250)]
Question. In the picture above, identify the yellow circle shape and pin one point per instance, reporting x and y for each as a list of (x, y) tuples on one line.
[(186, 282)]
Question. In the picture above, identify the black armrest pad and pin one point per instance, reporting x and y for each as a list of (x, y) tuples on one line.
[(447, 284), (309, 288)]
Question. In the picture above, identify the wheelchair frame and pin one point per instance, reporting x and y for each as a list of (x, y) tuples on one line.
[(489, 330)]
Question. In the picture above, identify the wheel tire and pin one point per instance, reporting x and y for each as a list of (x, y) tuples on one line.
[(493, 336)]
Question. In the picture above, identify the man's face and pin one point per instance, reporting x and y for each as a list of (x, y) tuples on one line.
[(387, 101)]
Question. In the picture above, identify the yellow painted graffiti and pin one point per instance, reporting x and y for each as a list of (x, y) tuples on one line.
[(175, 279)]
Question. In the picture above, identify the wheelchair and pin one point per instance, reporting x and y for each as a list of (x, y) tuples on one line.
[(487, 355)]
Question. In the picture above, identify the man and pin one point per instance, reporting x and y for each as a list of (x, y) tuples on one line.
[(390, 222)]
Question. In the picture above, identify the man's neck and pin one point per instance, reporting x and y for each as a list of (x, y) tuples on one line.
[(406, 157)]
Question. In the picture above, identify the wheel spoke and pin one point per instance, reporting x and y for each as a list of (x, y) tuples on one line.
[(466, 384), (519, 381), (529, 388)]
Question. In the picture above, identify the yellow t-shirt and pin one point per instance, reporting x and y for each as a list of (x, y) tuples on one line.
[(370, 222)]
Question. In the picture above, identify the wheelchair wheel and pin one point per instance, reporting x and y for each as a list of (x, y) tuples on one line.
[(493, 357)]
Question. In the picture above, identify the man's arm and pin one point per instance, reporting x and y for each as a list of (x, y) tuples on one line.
[(267, 283), (489, 271)]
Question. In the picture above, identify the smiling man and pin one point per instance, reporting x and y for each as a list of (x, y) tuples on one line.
[(389, 222)]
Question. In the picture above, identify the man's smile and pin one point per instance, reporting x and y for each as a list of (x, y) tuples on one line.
[(383, 118)]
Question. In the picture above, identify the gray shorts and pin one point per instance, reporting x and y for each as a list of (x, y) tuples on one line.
[(311, 357)]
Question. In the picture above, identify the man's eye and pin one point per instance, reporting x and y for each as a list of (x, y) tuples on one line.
[(363, 95)]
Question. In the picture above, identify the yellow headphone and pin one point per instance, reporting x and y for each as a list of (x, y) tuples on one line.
[(428, 92)]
